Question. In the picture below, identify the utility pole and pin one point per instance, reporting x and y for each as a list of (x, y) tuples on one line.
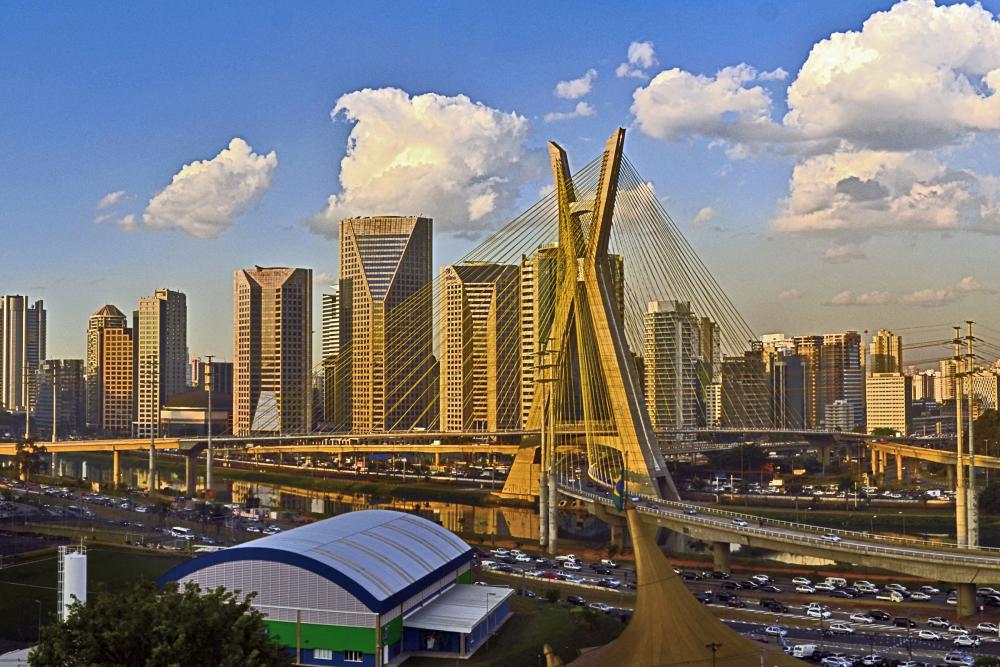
[(55, 418), (208, 375), (971, 496), (26, 396), (961, 487)]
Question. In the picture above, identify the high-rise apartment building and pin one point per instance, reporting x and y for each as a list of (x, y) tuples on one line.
[(331, 323), (923, 385), (808, 348), (839, 416), (387, 322), (786, 387), (745, 401), (22, 349), (946, 388), (107, 317), (833, 371), (539, 279), (117, 375), (480, 347), (65, 379), (885, 353), (220, 375), (985, 387), (672, 352), (160, 343), (887, 398), (272, 350)]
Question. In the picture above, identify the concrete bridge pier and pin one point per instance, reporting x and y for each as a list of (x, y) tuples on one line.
[(899, 467), (721, 560), (115, 468), (950, 470), (190, 474), (54, 465), (437, 458), (966, 600), (873, 460)]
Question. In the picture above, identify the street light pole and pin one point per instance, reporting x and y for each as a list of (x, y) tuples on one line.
[(209, 375), (714, 648)]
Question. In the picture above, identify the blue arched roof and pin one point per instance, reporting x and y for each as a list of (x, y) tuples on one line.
[(379, 556)]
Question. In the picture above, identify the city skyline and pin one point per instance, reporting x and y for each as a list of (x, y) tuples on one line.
[(726, 164)]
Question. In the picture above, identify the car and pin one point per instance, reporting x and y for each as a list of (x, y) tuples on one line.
[(863, 582), (720, 575), (955, 658), (736, 602), (841, 628), (775, 631), (500, 551), (879, 615), (600, 606), (919, 596), (779, 608), (830, 537), (930, 590), (841, 594), (570, 565), (576, 600), (929, 635), (804, 589), (937, 622), (761, 579), (952, 600), (801, 581), (523, 558), (690, 511), (861, 618), (988, 627), (749, 585), (986, 590), (836, 661), (730, 585), (600, 569), (907, 663), (824, 587), (966, 640), (903, 622), (955, 628), (571, 557), (740, 522), (873, 660), (767, 602), (770, 588), (818, 613), (609, 562)]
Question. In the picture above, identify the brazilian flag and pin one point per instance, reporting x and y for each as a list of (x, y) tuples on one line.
[(618, 495)]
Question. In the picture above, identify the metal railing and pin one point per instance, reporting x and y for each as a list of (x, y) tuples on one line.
[(990, 561)]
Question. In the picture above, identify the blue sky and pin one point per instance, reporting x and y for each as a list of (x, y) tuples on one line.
[(101, 98)]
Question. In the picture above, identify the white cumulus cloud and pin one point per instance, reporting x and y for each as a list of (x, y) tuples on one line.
[(582, 110), (110, 199), (455, 160), (792, 294), (843, 252), (849, 298), (574, 89), (641, 56), (704, 215), (204, 196)]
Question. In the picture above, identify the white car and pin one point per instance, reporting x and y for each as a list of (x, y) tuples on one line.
[(919, 596), (836, 661), (966, 640), (801, 581), (818, 613), (862, 618), (959, 659), (500, 551), (937, 622), (600, 606), (804, 589), (953, 600), (841, 629), (775, 631), (986, 590), (825, 587), (929, 635), (761, 578), (958, 629), (570, 565), (830, 537), (524, 558), (896, 587), (566, 557), (930, 590), (740, 522), (988, 627)]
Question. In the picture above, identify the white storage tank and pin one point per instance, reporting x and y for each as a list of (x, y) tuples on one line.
[(73, 577)]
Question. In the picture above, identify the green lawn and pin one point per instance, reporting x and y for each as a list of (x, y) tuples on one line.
[(23, 586), (534, 623)]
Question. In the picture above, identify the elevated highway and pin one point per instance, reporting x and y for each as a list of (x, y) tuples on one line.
[(881, 451), (966, 568)]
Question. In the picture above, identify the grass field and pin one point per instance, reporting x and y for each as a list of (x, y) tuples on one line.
[(30, 588)]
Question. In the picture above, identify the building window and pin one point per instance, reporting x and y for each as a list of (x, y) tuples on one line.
[(354, 656), (323, 654)]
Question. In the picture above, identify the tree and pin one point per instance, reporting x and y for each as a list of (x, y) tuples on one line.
[(147, 626), (884, 432), (986, 432), (989, 498), (552, 595), (28, 457)]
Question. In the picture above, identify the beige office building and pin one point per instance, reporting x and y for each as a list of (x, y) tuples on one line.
[(672, 354), (538, 287), (480, 338), (272, 350), (116, 377), (161, 364), (885, 353), (887, 397), (387, 324), (985, 387), (22, 349), (108, 317)]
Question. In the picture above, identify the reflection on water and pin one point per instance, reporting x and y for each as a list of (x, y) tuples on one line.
[(509, 522)]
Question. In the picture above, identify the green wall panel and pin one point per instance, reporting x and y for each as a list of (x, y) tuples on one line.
[(333, 637)]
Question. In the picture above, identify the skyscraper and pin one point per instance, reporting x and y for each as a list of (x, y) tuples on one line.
[(331, 323), (808, 348), (480, 338), (272, 350), (887, 398), (744, 393), (107, 317), (672, 353), (538, 288), (22, 334), (64, 377), (117, 375), (885, 353), (387, 325), (842, 374), (160, 342)]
